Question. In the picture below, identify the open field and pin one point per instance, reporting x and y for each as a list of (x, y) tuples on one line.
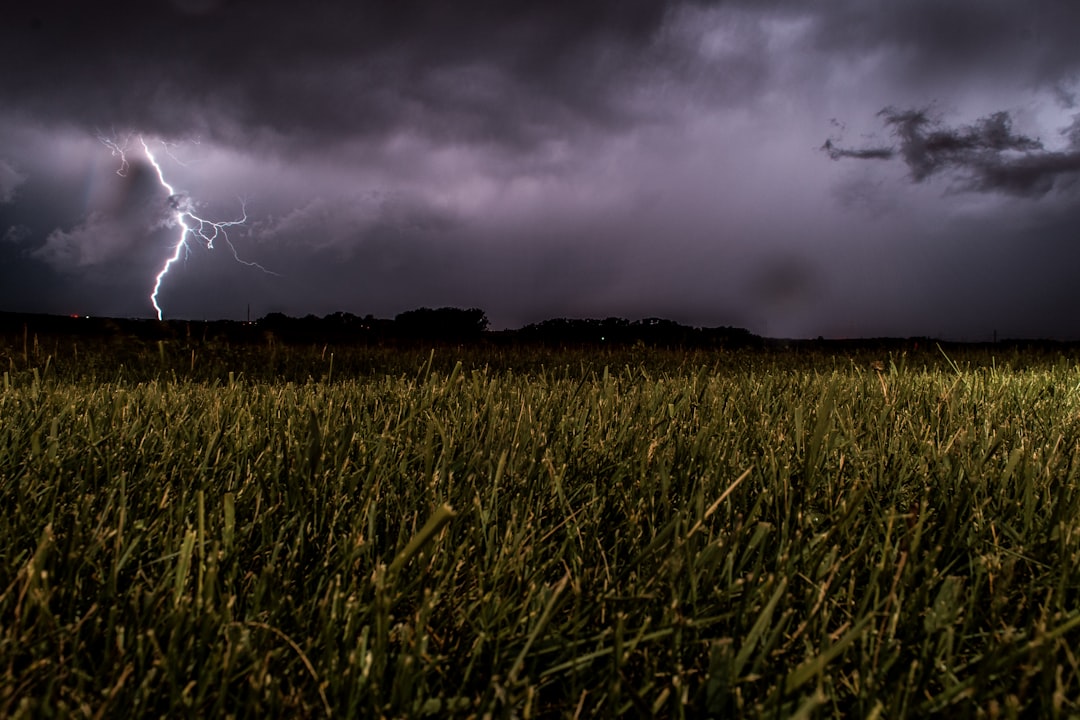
[(220, 530)]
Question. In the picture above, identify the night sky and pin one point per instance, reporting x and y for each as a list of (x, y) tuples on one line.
[(840, 168)]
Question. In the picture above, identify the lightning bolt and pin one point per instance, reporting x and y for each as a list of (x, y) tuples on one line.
[(182, 209)]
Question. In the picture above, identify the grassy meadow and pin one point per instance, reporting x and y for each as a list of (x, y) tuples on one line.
[(212, 530)]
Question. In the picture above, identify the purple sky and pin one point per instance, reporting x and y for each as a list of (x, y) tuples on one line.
[(839, 168)]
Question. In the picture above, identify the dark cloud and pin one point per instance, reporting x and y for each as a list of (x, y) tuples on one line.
[(515, 73), (479, 70), (988, 155), (836, 153), (930, 45)]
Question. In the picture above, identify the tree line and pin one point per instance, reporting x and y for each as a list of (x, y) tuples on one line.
[(422, 325)]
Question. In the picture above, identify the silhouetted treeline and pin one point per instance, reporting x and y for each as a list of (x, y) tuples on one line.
[(456, 326), (445, 325), (453, 325), (423, 325)]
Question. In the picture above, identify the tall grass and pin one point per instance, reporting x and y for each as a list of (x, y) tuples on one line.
[(740, 536)]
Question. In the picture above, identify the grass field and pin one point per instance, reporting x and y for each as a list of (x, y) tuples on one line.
[(313, 532)]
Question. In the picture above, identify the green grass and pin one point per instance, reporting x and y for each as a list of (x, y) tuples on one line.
[(737, 535)]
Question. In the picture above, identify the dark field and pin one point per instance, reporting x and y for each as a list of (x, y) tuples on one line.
[(195, 526)]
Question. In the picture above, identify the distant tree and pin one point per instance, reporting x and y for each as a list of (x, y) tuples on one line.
[(340, 318), (444, 324), (275, 321)]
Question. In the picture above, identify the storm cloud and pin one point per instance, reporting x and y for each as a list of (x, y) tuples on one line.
[(988, 155), (267, 72), (540, 159)]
